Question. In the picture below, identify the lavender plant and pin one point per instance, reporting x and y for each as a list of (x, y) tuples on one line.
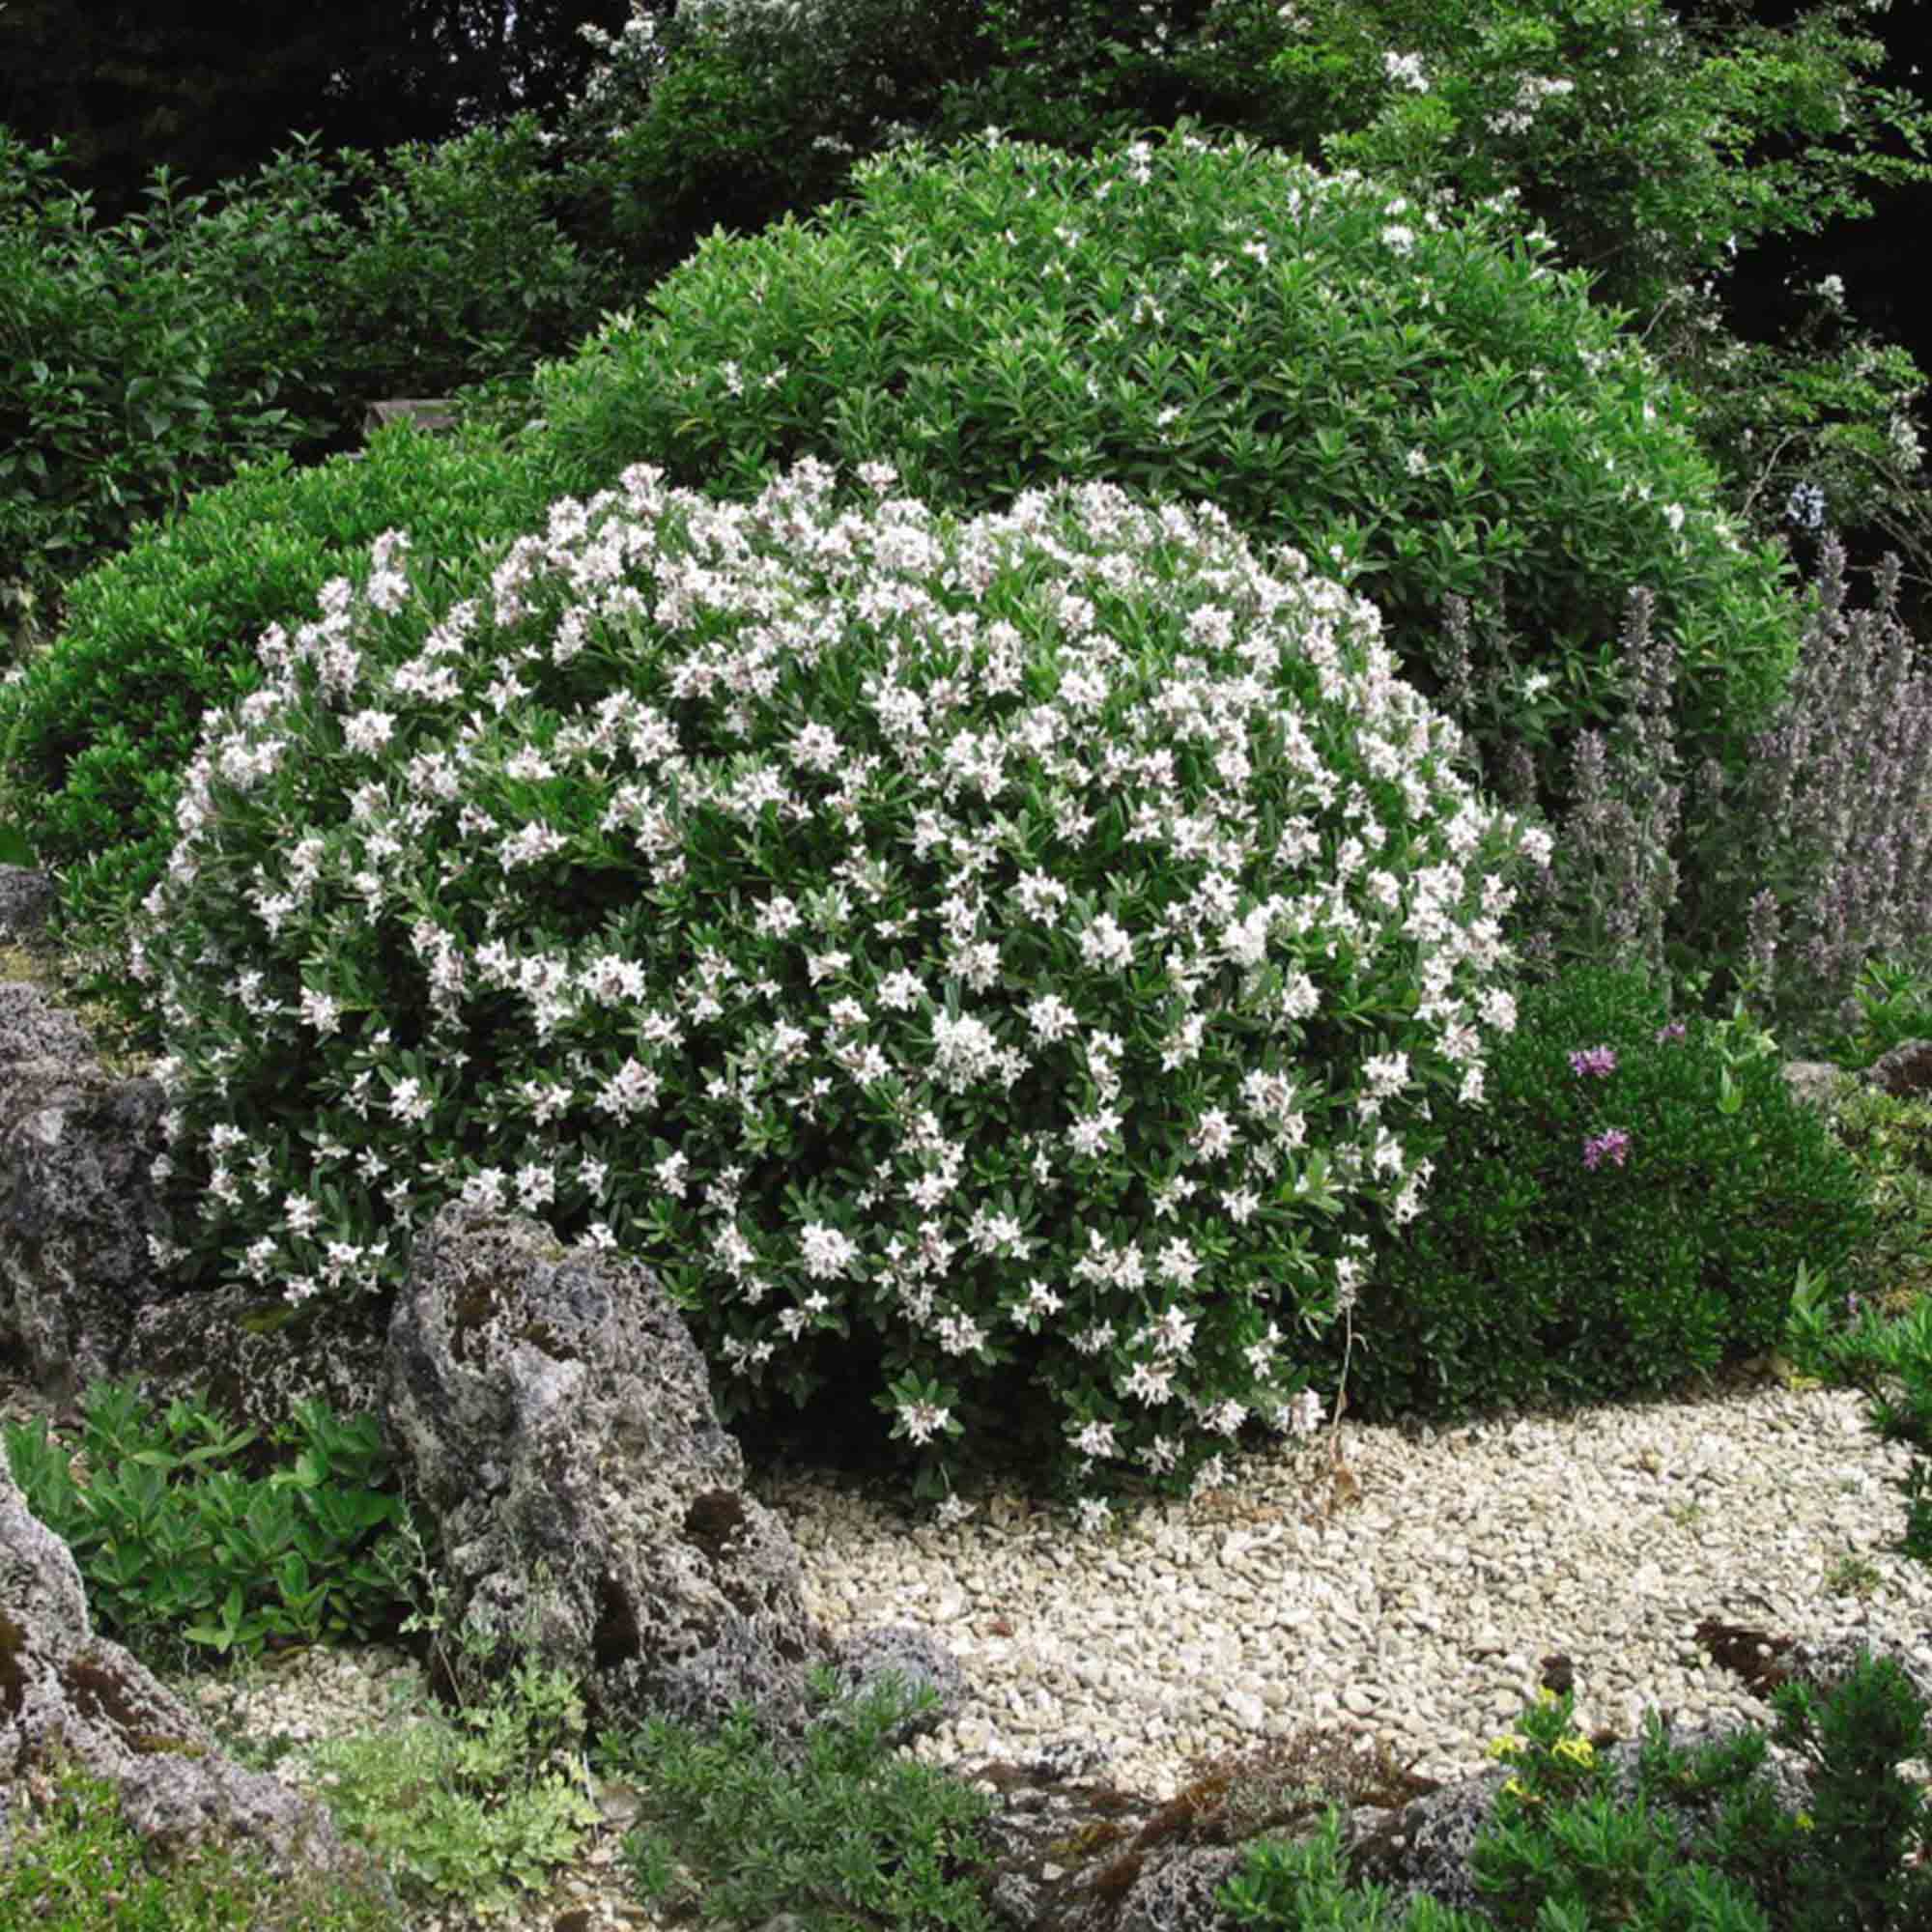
[(1798, 880), (1008, 957)]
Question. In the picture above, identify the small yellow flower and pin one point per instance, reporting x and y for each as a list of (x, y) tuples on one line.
[(1505, 1746), (1515, 1787), (1576, 1750), (1803, 1822)]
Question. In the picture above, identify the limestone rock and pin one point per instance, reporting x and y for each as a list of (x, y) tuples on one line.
[(81, 1297), (76, 1201), (556, 1415), (65, 1692)]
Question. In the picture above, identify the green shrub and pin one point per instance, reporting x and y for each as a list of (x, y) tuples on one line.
[(848, 1832), (728, 117), (143, 362), (97, 730), (964, 898), (175, 1543), (1403, 394), (1631, 1204), (128, 375), (80, 1868)]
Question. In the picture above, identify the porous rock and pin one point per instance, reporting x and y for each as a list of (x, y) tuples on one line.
[(68, 1698), (81, 1297), (554, 1420), (76, 1201), (1904, 1071)]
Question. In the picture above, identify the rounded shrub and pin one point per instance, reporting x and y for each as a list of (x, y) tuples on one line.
[(998, 961), (98, 729), (1631, 1204), (1405, 392)]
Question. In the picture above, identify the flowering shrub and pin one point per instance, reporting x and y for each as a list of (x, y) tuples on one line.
[(1402, 393), (1631, 1207), (95, 732), (1008, 957)]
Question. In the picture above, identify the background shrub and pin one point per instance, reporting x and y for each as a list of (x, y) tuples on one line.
[(97, 730), (129, 376), (142, 362), (1604, 1228), (1405, 396)]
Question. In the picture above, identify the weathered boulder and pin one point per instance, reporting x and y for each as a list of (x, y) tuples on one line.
[(1904, 1071), (82, 1297), (77, 1200), (69, 1696), (555, 1421)]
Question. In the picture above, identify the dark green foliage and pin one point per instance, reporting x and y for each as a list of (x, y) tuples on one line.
[(99, 730), (142, 362), (736, 117), (1532, 1275), (125, 381), (176, 1536)]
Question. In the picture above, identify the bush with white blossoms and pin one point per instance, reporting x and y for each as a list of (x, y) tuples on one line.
[(1012, 955)]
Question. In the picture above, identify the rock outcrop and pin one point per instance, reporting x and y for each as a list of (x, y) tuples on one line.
[(555, 1420), (70, 1698)]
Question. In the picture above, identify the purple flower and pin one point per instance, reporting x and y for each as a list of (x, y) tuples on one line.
[(1615, 1141), (1599, 1059), (1674, 1030)]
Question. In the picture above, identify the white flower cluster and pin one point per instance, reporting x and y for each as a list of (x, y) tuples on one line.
[(972, 944), (1405, 71), (1532, 91)]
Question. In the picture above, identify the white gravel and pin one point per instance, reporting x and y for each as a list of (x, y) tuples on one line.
[(1422, 1610)]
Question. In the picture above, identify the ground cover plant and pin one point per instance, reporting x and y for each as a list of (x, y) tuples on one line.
[(1566, 1847), (177, 1537), (88, 1872), (952, 888)]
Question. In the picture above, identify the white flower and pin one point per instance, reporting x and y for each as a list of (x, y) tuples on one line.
[(1406, 69), (1148, 1385), (1051, 1018), (1104, 945), (826, 1251), (924, 1420)]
